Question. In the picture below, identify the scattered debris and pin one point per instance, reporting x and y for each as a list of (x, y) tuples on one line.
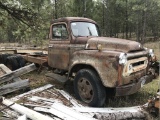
[(10, 81), (40, 89), (55, 104), (153, 105), (28, 112)]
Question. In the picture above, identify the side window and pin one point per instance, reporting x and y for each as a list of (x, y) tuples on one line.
[(59, 32)]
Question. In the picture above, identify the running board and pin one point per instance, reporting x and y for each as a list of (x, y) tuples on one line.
[(57, 77)]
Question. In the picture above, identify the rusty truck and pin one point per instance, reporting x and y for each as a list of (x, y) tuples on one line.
[(97, 65)]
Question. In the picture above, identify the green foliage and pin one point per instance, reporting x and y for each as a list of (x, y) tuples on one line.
[(27, 20)]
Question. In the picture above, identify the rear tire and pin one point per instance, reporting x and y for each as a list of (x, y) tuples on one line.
[(3, 58), (89, 89), (21, 61), (12, 63)]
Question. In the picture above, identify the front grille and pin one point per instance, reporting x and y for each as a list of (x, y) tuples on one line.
[(135, 65), (138, 63)]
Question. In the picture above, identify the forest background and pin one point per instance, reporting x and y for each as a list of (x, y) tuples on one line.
[(24, 21)]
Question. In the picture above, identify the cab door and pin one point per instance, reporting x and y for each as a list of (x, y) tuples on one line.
[(58, 50)]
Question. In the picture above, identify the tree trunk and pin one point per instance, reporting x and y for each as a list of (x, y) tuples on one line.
[(123, 30), (103, 18), (126, 19), (138, 28), (55, 8), (144, 25), (130, 32)]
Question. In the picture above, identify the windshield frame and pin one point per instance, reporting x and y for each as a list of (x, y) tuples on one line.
[(96, 26)]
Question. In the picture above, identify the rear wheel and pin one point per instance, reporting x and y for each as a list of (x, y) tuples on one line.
[(12, 63), (3, 58), (89, 89), (21, 61)]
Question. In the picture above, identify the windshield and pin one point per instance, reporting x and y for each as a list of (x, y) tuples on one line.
[(84, 29)]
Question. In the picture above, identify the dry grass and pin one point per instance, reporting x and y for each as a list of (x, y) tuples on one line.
[(36, 78)]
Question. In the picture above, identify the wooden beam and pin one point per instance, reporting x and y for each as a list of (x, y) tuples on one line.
[(109, 110), (69, 98), (114, 113), (55, 112), (40, 89), (9, 76), (36, 98), (69, 111), (23, 117), (63, 114), (5, 69), (8, 88)]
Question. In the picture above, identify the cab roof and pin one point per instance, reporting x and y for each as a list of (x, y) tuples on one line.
[(71, 19)]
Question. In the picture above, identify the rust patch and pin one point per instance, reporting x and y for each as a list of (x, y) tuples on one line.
[(114, 44), (120, 69)]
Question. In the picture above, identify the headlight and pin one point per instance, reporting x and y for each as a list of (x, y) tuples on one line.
[(123, 58), (151, 53)]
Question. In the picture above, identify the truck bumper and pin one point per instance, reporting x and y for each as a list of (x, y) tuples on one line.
[(134, 87)]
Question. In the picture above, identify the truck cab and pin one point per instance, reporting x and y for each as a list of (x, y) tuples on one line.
[(97, 64)]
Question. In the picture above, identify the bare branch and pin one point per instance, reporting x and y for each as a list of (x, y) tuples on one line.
[(25, 15)]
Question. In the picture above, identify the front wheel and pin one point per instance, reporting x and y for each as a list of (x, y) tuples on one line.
[(89, 89)]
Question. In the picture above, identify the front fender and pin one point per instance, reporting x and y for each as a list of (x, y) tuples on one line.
[(105, 64)]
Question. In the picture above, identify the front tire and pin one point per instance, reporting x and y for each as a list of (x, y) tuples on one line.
[(89, 89)]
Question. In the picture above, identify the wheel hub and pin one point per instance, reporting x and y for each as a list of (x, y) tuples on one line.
[(85, 90)]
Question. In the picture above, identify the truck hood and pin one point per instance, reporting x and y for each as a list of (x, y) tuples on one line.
[(114, 44)]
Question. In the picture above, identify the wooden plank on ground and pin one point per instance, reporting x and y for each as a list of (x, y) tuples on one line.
[(5, 69), (68, 97), (109, 110), (8, 88), (28, 112), (55, 112), (69, 111), (23, 117), (36, 98), (64, 112), (114, 113), (40, 89), (9, 76)]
